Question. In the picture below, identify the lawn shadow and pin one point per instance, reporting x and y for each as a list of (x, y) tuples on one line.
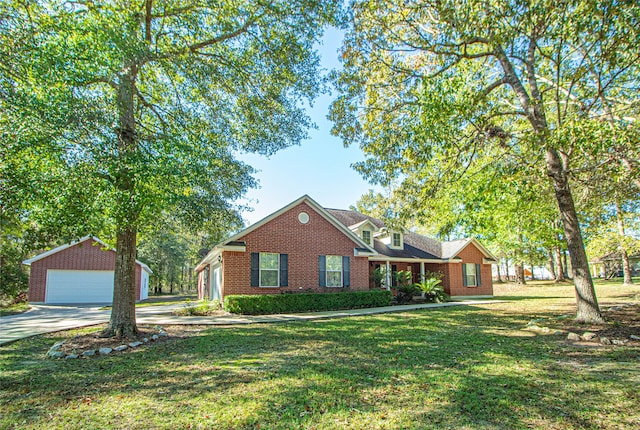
[(451, 367)]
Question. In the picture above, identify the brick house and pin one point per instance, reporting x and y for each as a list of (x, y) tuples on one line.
[(79, 272), (305, 247)]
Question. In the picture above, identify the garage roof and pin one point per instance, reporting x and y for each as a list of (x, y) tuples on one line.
[(75, 242)]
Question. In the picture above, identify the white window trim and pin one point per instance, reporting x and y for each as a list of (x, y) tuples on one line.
[(368, 242), (475, 275), (327, 271), (260, 269)]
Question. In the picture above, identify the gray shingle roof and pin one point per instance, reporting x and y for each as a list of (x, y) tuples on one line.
[(415, 245)]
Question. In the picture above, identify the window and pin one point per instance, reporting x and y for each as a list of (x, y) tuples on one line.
[(395, 240), (471, 274), (269, 269), (366, 236), (334, 271)]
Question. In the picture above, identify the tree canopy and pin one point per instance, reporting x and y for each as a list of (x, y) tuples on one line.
[(431, 89), (149, 103)]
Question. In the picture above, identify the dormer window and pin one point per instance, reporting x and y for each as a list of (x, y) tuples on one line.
[(396, 240), (366, 236)]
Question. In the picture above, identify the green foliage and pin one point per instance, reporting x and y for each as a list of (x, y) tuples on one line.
[(405, 289), (431, 287), (204, 307), (263, 304), (142, 108), (377, 277)]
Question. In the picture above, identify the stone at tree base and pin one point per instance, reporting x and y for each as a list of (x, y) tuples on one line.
[(105, 351), (163, 334), (145, 340), (121, 348), (618, 342), (605, 341), (634, 337), (71, 356), (89, 353), (154, 337), (57, 354), (55, 348), (573, 336), (135, 344), (587, 335)]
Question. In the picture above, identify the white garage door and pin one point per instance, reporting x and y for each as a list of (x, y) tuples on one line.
[(79, 286)]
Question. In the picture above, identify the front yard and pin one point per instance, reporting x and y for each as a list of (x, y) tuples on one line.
[(463, 367)]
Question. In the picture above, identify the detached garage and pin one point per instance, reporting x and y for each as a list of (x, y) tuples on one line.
[(79, 272)]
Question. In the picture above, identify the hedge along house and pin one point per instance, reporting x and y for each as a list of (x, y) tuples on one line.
[(79, 272), (305, 247)]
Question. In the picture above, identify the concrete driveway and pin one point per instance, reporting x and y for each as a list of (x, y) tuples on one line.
[(47, 318)]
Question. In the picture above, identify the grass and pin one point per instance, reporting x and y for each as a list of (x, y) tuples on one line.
[(464, 367), (14, 309)]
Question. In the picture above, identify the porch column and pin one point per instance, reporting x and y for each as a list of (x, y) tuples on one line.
[(422, 271), (388, 275)]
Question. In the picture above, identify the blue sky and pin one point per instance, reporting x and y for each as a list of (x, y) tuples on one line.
[(319, 167)]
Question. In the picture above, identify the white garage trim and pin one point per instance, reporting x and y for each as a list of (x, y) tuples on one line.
[(79, 286)]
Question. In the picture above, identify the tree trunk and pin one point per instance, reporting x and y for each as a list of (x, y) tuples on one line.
[(559, 266), (533, 275), (498, 270), (587, 303), (123, 311), (506, 268), (552, 268), (626, 267), (519, 268), (567, 265)]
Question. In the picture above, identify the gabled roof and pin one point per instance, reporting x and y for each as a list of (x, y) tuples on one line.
[(452, 248), (416, 246), (361, 246), (73, 243)]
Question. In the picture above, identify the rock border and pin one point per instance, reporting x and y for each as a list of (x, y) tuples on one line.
[(55, 353)]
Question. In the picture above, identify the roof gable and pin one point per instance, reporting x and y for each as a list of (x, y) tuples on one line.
[(452, 248), (74, 243), (324, 213)]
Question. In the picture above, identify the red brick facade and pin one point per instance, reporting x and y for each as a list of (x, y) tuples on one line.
[(452, 281), (284, 233), (85, 255), (303, 243)]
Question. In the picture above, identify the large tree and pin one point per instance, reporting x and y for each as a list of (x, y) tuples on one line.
[(154, 100), (429, 85)]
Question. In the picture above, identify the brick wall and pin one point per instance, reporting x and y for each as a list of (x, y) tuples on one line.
[(453, 283), (86, 255), (303, 243)]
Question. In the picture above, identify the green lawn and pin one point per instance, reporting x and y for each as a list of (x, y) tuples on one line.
[(463, 367), (14, 309)]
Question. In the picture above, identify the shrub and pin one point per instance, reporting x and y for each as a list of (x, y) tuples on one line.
[(405, 289), (263, 304), (204, 308), (432, 289)]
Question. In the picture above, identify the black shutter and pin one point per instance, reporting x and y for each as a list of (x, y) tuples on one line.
[(394, 272), (284, 270), (479, 279), (322, 270), (464, 276), (255, 269), (346, 272)]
